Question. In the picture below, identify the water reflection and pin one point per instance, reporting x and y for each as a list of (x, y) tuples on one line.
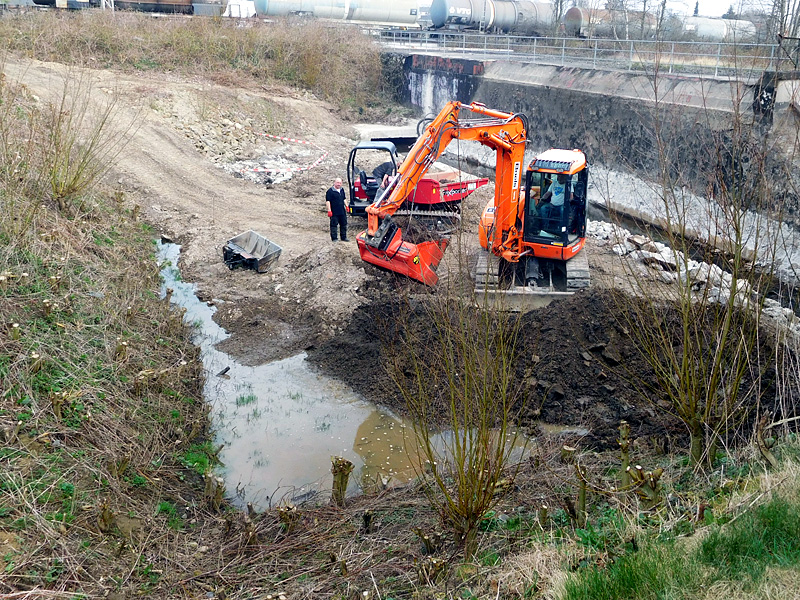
[(282, 421), (387, 447)]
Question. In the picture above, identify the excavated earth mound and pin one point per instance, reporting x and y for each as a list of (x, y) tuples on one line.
[(576, 366)]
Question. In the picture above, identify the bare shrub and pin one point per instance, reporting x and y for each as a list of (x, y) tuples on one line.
[(459, 362), (84, 138), (702, 334)]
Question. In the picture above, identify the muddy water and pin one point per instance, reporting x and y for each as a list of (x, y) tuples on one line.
[(281, 422)]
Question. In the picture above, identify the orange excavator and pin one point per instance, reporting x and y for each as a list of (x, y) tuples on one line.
[(530, 244), (382, 243), (540, 243)]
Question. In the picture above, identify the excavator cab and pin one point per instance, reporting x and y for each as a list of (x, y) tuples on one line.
[(554, 220), (549, 221), (557, 218), (366, 166)]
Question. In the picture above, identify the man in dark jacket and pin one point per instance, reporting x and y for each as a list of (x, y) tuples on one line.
[(334, 200)]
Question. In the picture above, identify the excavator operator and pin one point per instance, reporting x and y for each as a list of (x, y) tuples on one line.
[(551, 204)]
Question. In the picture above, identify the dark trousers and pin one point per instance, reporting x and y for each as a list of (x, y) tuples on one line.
[(341, 221)]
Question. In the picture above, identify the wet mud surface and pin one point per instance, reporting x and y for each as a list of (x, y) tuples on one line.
[(575, 367)]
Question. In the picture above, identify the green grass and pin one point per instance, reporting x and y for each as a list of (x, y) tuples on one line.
[(199, 457), (768, 535), (658, 571), (246, 399), (174, 520)]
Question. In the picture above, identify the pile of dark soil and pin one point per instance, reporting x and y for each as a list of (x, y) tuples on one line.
[(576, 365)]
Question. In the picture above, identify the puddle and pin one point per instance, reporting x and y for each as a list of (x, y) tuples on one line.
[(282, 421)]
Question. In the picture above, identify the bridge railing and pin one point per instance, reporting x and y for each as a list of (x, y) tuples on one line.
[(717, 59)]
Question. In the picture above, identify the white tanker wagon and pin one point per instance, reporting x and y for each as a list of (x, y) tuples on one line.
[(520, 16), (399, 12), (720, 30), (585, 22), (589, 22)]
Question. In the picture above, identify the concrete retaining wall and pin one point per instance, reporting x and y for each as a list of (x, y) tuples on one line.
[(710, 126)]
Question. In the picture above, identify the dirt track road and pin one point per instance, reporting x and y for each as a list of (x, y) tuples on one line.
[(171, 167)]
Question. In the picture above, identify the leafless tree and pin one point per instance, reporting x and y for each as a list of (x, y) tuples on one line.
[(702, 335), (454, 364)]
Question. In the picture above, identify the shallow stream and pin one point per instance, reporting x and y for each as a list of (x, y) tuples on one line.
[(281, 422)]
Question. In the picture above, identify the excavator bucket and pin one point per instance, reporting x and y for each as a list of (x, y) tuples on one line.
[(388, 250)]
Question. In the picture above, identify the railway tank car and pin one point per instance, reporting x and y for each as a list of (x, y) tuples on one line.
[(158, 6), (69, 4), (519, 16), (400, 12), (585, 22), (720, 30)]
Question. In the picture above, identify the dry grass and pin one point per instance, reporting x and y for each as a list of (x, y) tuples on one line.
[(777, 584), (100, 406), (98, 381), (337, 63)]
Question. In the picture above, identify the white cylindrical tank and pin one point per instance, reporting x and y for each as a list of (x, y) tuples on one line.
[(507, 15), (585, 22), (705, 28), (282, 8), (453, 12), (576, 21), (397, 11), (741, 31), (720, 30), (533, 15)]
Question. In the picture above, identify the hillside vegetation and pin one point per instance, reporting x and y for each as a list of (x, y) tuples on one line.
[(107, 467)]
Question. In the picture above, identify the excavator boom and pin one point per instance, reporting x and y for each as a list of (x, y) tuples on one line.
[(382, 243)]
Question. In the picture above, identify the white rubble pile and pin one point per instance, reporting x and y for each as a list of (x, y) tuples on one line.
[(668, 265), (231, 143), (266, 170)]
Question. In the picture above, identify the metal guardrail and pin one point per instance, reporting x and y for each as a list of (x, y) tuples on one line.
[(717, 59)]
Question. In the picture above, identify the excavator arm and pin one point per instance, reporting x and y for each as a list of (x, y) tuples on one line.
[(382, 243)]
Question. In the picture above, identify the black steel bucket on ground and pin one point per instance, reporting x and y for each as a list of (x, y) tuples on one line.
[(251, 251)]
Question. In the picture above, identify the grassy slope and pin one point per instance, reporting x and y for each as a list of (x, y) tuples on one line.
[(103, 427)]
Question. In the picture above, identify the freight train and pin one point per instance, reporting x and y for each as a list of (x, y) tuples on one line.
[(158, 6), (523, 17), (519, 16)]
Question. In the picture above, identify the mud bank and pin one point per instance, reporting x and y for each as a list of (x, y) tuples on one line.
[(575, 368)]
